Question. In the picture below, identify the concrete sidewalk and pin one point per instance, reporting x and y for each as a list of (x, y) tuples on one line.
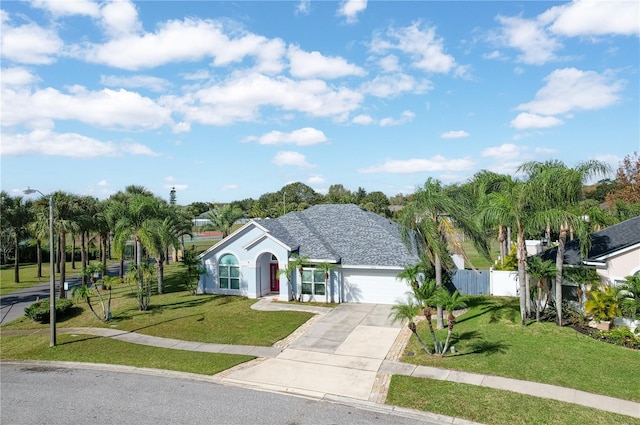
[(349, 353)]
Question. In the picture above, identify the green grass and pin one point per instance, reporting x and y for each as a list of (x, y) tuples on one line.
[(200, 246), (478, 261), (177, 314), (491, 406), (489, 340), (90, 349)]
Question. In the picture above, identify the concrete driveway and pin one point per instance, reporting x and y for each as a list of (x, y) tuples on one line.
[(339, 355)]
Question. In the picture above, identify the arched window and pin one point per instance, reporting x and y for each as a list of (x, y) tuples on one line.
[(229, 272)]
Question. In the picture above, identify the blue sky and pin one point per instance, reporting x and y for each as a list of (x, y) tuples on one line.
[(230, 100)]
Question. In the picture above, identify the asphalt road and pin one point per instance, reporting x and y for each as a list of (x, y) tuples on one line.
[(49, 394)]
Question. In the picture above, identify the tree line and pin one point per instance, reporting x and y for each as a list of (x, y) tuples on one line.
[(550, 199)]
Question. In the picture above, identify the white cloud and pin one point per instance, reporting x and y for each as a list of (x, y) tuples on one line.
[(548, 151), (392, 85), (201, 74), (69, 8), (303, 7), (169, 179), (154, 84), (571, 89), (17, 76), (351, 8), (362, 119), (186, 40), (529, 37), (105, 108), (504, 151), (176, 186), (241, 96), (390, 63), (302, 137), (120, 19), (102, 183), (416, 165), (46, 142), (315, 65), (228, 187), (525, 120), (405, 117), (454, 134), (423, 46), (587, 18), (29, 43), (315, 180), (295, 159)]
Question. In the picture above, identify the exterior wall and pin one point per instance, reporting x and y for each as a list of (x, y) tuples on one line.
[(251, 269), (621, 266), (376, 286)]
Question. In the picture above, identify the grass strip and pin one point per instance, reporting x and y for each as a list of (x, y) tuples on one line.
[(491, 406), (93, 349)]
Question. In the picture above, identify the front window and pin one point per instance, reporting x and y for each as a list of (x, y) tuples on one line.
[(313, 282), (229, 272)]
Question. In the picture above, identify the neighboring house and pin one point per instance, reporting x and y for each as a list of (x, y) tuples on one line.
[(614, 253), (366, 250)]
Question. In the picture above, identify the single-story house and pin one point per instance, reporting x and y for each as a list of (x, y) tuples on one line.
[(365, 249), (614, 253)]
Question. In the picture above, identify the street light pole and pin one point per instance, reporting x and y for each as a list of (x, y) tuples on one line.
[(52, 277)]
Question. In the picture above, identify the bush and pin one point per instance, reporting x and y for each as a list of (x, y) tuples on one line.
[(39, 311), (620, 335)]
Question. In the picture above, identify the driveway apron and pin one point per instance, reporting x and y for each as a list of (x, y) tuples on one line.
[(339, 355)]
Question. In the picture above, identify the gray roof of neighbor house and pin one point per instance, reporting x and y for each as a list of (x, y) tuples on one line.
[(343, 233), (604, 242)]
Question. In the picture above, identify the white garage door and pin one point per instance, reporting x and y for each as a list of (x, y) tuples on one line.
[(372, 286)]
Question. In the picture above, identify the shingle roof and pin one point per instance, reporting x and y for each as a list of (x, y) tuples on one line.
[(342, 233), (606, 241)]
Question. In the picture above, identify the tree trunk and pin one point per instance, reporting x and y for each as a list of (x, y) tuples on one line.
[(103, 256), (59, 256), (39, 256), (63, 264), (73, 251), (528, 292), (501, 240), (413, 328), (83, 256), (559, 264), (522, 286), (160, 265), (439, 313), (427, 316), (121, 269), (16, 259), (452, 322), (539, 301)]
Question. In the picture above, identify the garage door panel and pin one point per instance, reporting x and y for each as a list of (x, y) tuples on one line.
[(375, 286)]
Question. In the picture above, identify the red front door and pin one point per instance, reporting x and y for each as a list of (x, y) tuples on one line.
[(275, 280)]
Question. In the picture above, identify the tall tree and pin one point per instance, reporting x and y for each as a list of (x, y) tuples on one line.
[(628, 180), (15, 217), (65, 222), (439, 221), (558, 188), (222, 218)]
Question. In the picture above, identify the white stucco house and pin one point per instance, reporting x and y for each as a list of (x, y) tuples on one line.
[(614, 253), (366, 250)]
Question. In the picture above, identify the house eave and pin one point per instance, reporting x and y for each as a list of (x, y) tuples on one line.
[(608, 255)]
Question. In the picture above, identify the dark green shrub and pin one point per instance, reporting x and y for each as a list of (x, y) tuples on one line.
[(39, 311)]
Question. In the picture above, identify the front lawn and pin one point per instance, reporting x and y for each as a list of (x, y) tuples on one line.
[(491, 406), (489, 340), (180, 315), (92, 349)]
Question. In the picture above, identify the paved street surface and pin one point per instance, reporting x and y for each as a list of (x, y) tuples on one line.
[(45, 394)]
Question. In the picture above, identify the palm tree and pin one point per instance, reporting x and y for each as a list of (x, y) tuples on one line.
[(326, 268), (411, 274), (15, 217), (512, 205), (560, 187), (222, 218), (294, 264), (540, 270), (450, 303), (602, 304), (65, 213), (629, 295), (133, 217), (428, 294), (435, 219), (85, 293), (405, 312), (156, 236)]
